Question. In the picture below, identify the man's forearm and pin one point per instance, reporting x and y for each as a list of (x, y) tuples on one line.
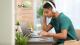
[(57, 36), (44, 24)]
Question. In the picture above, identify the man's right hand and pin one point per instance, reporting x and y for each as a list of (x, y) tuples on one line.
[(43, 33)]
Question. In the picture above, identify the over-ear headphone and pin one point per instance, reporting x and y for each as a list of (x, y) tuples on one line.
[(54, 9)]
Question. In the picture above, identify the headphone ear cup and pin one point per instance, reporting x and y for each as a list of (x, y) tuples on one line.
[(54, 10)]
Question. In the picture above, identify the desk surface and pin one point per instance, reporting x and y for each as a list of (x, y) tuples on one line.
[(38, 39), (41, 40)]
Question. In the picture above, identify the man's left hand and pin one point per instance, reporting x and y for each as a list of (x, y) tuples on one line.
[(44, 33)]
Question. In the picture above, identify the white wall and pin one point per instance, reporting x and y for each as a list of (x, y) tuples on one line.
[(6, 22)]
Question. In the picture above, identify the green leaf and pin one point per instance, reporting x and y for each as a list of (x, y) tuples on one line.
[(17, 22), (40, 11), (20, 39)]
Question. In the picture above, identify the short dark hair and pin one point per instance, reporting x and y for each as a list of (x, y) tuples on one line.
[(47, 5)]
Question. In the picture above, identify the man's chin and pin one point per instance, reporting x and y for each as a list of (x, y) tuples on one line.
[(49, 17)]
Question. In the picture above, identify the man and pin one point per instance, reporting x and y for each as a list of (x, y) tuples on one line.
[(61, 23)]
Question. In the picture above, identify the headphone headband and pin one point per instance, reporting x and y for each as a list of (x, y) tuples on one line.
[(54, 9)]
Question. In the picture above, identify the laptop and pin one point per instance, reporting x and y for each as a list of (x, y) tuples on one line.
[(25, 30)]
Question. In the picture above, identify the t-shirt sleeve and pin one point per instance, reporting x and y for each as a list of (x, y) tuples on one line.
[(51, 22), (65, 24)]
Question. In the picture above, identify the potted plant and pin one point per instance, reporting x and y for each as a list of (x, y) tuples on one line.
[(20, 39), (40, 12)]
